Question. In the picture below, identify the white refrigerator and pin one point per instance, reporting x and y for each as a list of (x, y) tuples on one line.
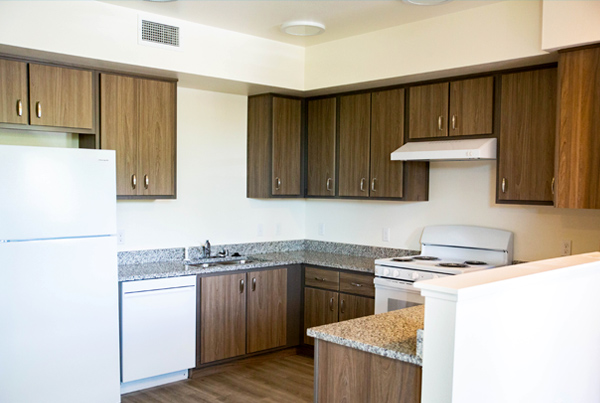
[(59, 316)]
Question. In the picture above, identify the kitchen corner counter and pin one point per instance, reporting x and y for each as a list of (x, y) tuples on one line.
[(144, 271), (392, 334)]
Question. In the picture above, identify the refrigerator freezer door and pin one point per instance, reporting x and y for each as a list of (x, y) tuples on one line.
[(56, 192), (60, 321)]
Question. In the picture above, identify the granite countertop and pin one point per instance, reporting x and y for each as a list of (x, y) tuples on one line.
[(143, 271), (392, 334)]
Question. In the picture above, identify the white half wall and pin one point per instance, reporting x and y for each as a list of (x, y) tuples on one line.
[(459, 193), (211, 185), (496, 32), (570, 23)]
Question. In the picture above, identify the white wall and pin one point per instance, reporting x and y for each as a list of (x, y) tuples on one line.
[(570, 23), (492, 33), (460, 193), (211, 185)]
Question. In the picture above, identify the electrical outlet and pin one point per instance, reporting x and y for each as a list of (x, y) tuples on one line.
[(321, 228), (278, 228), (259, 230), (121, 237), (385, 234), (565, 247)]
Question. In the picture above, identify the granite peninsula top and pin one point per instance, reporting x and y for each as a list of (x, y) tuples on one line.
[(143, 271), (391, 334)]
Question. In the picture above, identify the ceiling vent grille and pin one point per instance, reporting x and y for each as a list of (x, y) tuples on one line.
[(158, 34)]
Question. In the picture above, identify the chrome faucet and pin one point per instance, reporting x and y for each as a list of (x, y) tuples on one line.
[(206, 249)]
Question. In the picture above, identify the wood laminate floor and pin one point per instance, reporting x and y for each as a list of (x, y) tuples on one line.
[(283, 379)]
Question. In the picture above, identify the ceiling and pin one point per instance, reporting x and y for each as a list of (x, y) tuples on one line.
[(342, 19)]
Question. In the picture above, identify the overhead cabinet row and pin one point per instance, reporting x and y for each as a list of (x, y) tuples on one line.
[(132, 115)]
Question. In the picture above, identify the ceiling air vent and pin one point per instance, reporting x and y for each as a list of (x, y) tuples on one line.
[(156, 34)]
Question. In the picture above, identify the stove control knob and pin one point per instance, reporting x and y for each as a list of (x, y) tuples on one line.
[(415, 276), (396, 273), (386, 272)]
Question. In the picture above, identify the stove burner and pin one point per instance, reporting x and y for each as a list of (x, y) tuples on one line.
[(426, 258), (476, 263), (452, 265), (402, 259)]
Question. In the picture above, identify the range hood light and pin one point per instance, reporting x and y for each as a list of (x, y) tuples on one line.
[(447, 150)]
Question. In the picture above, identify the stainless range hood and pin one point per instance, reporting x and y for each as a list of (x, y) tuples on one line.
[(447, 150)]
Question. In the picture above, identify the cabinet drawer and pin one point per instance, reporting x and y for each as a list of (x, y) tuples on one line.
[(361, 284), (321, 278)]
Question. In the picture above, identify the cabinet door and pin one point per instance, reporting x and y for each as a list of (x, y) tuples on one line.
[(471, 106), (14, 104), (353, 306), (321, 147), (527, 135), (287, 143), (578, 180), (320, 308), (222, 317), (156, 138), (355, 127), (61, 97), (119, 128), (428, 111), (267, 309), (387, 134)]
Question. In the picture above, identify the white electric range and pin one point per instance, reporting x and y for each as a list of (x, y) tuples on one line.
[(445, 250)]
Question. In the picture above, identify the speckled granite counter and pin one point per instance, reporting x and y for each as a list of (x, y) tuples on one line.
[(143, 271), (392, 334)]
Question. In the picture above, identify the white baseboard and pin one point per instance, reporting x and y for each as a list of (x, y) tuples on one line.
[(134, 386)]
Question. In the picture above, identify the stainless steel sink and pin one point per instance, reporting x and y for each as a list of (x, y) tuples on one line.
[(221, 263)]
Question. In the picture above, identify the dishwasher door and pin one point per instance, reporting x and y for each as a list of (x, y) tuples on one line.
[(158, 327)]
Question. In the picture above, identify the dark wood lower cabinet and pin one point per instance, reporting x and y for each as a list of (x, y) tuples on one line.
[(354, 306), (320, 308), (344, 374)]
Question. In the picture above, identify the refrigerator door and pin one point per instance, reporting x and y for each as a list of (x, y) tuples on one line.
[(60, 321), (56, 192)]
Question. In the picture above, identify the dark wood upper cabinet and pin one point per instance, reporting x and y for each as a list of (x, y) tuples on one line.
[(267, 310), (527, 136), (14, 99), (287, 146), (458, 108), (222, 317), (428, 111), (138, 121), (578, 179), (387, 134), (274, 146), (61, 97), (354, 138), (321, 178)]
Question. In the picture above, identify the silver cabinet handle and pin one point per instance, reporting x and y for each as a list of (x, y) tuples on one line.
[(133, 181), (362, 184), (343, 306), (503, 185), (356, 284), (241, 286), (38, 109), (373, 185), (19, 107), (253, 283), (453, 122), (552, 185), (277, 183), (440, 121), (331, 304), (328, 184), (320, 279), (146, 181)]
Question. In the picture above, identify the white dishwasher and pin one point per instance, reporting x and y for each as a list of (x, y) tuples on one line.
[(158, 331)]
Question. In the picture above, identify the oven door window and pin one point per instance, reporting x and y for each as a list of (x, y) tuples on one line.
[(396, 296)]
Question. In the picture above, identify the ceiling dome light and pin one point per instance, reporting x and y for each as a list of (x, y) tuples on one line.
[(302, 28), (426, 2)]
